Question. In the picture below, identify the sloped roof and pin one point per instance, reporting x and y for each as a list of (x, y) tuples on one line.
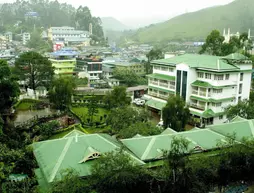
[(198, 61), (236, 56), (162, 77), (240, 129), (53, 156), (151, 148), (159, 105), (74, 133), (168, 131), (204, 84), (237, 119)]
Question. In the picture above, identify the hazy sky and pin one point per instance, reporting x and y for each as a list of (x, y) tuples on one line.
[(129, 11)]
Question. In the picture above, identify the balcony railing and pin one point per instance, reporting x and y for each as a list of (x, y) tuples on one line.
[(163, 85), (154, 83), (195, 92), (202, 93), (153, 94), (197, 106), (163, 96)]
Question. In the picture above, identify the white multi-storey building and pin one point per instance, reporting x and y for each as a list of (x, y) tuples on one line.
[(25, 38), (208, 84)]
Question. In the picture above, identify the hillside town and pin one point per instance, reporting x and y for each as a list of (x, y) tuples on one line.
[(83, 112)]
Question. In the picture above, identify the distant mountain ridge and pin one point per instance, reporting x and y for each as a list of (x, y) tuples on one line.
[(238, 15), (110, 23)]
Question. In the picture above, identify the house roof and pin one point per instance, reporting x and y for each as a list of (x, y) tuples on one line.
[(237, 119), (162, 77), (240, 129), (53, 156), (159, 105), (236, 56), (204, 84), (151, 148), (207, 62)]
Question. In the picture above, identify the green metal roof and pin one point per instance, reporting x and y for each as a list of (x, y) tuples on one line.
[(241, 129), (156, 104), (237, 119), (211, 99), (204, 84), (168, 131), (236, 56), (53, 156), (161, 77), (162, 89), (198, 61), (151, 148)]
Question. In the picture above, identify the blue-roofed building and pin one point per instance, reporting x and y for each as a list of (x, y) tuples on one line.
[(64, 61)]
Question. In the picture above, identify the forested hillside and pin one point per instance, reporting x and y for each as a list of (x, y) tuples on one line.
[(238, 16), (50, 13)]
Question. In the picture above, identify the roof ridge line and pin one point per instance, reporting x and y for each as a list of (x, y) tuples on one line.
[(106, 140), (148, 148), (60, 159)]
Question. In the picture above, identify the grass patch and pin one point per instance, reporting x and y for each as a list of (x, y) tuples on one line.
[(60, 135), (82, 113), (23, 106), (97, 130)]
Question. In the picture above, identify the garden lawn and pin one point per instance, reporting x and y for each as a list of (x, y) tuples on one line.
[(82, 113), (23, 106)]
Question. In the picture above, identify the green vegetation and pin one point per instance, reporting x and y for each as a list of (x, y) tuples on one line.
[(140, 128), (24, 105), (128, 77), (175, 113), (116, 98), (214, 44), (50, 13), (61, 91), (154, 54), (237, 15), (82, 113), (35, 69)]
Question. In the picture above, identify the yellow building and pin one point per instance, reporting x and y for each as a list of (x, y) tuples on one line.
[(64, 61)]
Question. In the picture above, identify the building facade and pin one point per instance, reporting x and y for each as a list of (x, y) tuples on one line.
[(25, 38), (90, 67), (208, 84), (3, 43), (68, 35), (64, 61)]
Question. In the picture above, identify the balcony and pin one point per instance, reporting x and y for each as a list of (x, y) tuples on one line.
[(163, 85), (163, 96), (154, 83), (197, 106), (153, 94)]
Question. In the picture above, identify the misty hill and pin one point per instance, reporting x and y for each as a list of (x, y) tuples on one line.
[(238, 15), (110, 23)]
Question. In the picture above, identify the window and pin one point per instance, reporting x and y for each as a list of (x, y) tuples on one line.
[(227, 76), (221, 117), (208, 76), (240, 88), (241, 77), (218, 77), (156, 67), (164, 68), (170, 69), (217, 90), (216, 104), (200, 75), (239, 99)]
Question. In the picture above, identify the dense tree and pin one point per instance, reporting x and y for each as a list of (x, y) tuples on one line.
[(153, 54), (71, 182), (116, 172), (128, 77), (34, 69), (175, 114), (61, 91), (116, 98), (141, 128), (92, 108), (213, 44), (128, 114), (243, 109), (9, 91), (37, 43)]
